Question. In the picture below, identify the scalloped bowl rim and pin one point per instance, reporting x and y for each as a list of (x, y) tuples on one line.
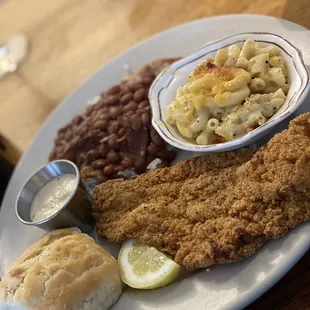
[(185, 144)]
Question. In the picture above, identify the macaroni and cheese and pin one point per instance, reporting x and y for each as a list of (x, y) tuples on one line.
[(230, 95)]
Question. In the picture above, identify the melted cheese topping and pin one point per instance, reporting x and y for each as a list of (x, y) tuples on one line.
[(246, 81)]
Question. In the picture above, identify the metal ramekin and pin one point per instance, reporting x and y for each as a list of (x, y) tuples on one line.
[(76, 212)]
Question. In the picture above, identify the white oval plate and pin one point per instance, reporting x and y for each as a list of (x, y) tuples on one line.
[(231, 286)]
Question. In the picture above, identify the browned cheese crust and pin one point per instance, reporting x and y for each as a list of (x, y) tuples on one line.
[(226, 73), (214, 209)]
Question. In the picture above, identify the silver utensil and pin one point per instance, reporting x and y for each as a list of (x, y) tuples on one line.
[(75, 213)]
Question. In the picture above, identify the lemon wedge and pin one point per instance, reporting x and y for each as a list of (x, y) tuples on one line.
[(144, 267)]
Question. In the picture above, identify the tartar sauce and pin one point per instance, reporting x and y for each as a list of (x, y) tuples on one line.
[(52, 197)]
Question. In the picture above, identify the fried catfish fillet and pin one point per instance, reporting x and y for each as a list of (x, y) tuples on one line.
[(214, 209)]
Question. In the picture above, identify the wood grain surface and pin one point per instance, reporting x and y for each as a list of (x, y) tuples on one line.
[(70, 39)]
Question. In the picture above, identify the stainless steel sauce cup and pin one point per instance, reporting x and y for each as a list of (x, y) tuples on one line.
[(76, 212)]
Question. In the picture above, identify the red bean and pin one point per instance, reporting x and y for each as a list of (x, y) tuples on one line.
[(140, 95), (68, 136), (133, 86), (126, 98), (131, 106), (156, 138), (113, 157), (146, 119), (126, 121), (127, 163), (147, 109), (130, 113), (115, 112), (135, 122), (108, 170), (118, 168), (121, 132), (111, 100), (143, 104), (89, 110), (103, 150), (78, 120), (113, 127), (112, 143), (105, 109), (113, 90), (91, 156), (101, 124), (101, 104), (104, 116), (104, 133)]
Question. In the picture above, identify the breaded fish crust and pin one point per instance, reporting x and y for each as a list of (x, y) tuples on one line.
[(214, 209)]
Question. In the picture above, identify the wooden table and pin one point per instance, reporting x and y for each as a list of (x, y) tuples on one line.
[(70, 39)]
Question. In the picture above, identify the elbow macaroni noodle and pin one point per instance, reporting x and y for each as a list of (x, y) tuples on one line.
[(230, 95)]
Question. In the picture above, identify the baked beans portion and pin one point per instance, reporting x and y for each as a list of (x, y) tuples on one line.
[(115, 135)]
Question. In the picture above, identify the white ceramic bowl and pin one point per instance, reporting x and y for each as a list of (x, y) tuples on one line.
[(164, 88)]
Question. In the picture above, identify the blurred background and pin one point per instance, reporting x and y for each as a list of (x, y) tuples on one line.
[(70, 39)]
